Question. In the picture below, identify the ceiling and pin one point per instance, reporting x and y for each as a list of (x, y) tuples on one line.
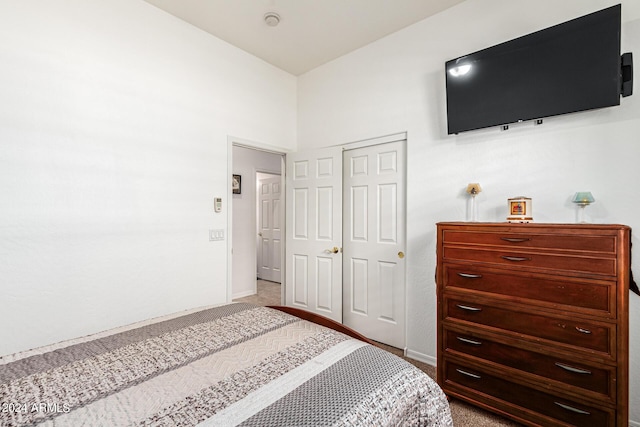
[(310, 32)]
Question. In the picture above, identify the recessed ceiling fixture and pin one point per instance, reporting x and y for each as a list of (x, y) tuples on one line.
[(272, 19)]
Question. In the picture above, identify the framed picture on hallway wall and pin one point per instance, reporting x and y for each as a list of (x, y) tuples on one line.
[(236, 184)]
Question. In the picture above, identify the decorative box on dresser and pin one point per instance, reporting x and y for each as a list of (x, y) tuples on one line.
[(533, 320)]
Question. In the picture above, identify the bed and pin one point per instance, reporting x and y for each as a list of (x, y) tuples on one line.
[(236, 364)]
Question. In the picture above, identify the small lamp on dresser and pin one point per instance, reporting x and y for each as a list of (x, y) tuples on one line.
[(583, 199), (473, 189)]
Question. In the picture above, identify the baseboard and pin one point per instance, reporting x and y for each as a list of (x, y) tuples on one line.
[(243, 294), (420, 357)]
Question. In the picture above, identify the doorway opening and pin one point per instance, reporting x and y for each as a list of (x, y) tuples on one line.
[(249, 252)]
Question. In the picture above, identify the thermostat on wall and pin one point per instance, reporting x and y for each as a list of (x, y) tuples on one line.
[(217, 204)]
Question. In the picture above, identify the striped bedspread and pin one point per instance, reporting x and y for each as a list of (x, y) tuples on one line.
[(236, 364)]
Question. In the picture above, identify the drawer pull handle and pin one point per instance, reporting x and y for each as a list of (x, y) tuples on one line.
[(470, 276), (584, 331), (516, 258), (515, 240), (468, 341), (572, 409), (468, 308), (572, 369), (469, 374)]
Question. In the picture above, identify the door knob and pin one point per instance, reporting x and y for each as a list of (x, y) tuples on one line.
[(335, 250), (400, 254)]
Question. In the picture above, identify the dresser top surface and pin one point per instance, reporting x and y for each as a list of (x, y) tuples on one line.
[(533, 226)]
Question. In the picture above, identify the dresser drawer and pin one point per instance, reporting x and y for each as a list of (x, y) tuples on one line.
[(596, 297), (573, 263), (574, 332), (532, 239), (559, 408), (594, 379)]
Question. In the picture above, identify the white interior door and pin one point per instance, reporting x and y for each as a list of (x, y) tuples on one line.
[(374, 242), (314, 232), (269, 229)]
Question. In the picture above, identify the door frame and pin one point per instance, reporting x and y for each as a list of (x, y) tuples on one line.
[(233, 141), (393, 137)]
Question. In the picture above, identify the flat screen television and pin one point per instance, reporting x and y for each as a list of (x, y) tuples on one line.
[(570, 67)]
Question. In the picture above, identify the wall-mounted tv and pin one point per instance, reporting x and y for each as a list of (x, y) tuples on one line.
[(570, 67)]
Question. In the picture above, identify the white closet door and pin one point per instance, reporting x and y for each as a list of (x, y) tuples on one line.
[(374, 242), (314, 232)]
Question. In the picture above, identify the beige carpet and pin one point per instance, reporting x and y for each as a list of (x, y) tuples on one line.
[(462, 413)]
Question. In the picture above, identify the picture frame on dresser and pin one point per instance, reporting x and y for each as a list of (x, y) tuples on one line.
[(533, 320)]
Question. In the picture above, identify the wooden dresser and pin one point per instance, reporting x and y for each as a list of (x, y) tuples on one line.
[(533, 320)]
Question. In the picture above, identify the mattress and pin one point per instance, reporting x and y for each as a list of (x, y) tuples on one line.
[(236, 364)]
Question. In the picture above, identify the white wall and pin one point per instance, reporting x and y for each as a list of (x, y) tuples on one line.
[(114, 118), (247, 162), (397, 84)]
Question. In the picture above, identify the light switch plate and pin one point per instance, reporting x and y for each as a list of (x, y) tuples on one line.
[(217, 234)]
